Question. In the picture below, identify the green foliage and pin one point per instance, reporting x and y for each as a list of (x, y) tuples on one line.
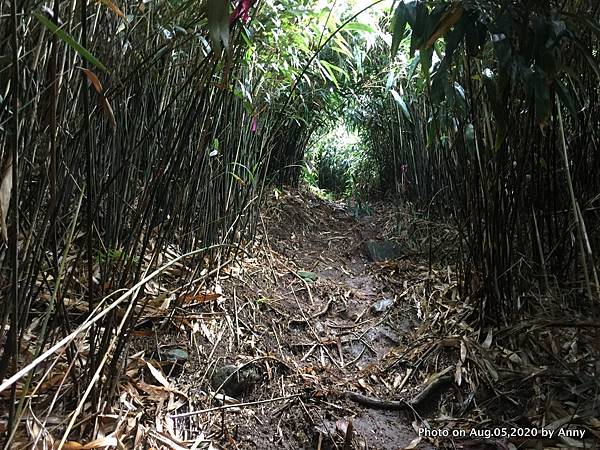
[(113, 257), (70, 41), (472, 135), (340, 162), (217, 12)]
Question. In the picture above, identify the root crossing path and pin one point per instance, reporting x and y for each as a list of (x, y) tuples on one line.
[(306, 334)]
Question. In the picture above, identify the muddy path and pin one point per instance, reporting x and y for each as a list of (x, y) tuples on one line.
[(309, 317)]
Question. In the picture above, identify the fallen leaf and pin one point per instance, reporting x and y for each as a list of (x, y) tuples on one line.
[(488, 340), (200, 298), (158, 375), (413, 444), (101, 442), (305, 275), (458, 374)]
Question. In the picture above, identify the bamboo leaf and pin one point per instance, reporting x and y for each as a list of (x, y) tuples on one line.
[(357, 26), (402, 104), (113, 7), (448, 21), (217, 12), (93, 79), (419, 25), (327, 72), (398, 27), (70, 41)]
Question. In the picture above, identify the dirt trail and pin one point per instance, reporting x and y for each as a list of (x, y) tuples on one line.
[(302, 316)]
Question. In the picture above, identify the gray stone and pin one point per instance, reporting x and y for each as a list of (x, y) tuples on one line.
[(234, 381), (378, 251)]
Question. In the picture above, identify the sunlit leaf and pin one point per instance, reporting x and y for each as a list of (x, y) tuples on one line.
[(401, 103), (357, 26)]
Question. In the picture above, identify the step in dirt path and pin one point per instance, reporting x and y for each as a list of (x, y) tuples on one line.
[(310, 318)]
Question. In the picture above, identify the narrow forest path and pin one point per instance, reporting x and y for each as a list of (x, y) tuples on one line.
[(310, 317), (305, 334)]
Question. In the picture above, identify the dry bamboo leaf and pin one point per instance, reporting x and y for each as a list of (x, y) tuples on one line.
[(93, 79), (594, 422), (573, 443), (5, 191), (200, 298), (449, 342), (101, 442), (491, 369), (413, 444), (108, 111), (463, 351), (458, 373), (104, 103), (113, 7), (153, 393), (157, 374), (207, 333), (488, 340)]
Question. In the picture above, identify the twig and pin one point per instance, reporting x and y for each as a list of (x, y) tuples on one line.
[(375, 403), (235, 405), (95, 316), (322, 311)]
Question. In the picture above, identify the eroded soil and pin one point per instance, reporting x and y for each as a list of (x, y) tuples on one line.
[(316, 319)]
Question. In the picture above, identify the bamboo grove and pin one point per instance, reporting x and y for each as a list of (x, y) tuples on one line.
[(134, 131), (493, 125), (129, 134)]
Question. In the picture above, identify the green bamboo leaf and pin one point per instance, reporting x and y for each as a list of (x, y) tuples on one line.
[(357, 26), (217, 12), (398, 27), (328, 72), (70, 41), (402, 104), (413, 67), (335, 68), (420, 26)]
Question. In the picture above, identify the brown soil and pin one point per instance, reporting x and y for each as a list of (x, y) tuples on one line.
[(298, 316), (311, 341)]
